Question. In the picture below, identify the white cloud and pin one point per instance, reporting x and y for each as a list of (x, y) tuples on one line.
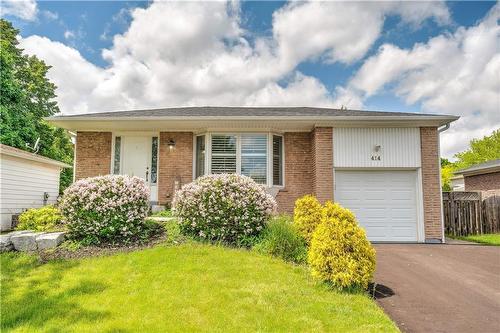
[(201, 56), (68, 34), (455, 74), (50, 16), (23, 9), (341, 31)]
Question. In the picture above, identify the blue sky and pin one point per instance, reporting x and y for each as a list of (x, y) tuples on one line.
[(268, 45)]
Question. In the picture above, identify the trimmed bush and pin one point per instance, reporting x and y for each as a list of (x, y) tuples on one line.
[(106, 209), (46, 218), (307, 215), (339, 252), (281, 239), (226, 208)]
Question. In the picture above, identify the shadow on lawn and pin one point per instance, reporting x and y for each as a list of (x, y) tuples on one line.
[(34, 300)]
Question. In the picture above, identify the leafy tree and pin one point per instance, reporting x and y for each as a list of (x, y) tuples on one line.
[(480, 151), (26, 97)]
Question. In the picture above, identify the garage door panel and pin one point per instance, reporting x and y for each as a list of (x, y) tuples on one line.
[(384, 202)]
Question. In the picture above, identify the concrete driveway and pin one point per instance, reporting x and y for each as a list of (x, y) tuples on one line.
[(440, 288)]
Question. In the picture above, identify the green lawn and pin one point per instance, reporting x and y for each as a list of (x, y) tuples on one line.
[(489, 239), (190, 287)]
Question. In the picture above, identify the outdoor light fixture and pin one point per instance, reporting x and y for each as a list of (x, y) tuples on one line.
[(171, 144), (377, 148)]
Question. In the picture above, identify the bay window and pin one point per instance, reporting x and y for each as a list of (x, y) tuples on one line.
[(223, 154), (256, 155)]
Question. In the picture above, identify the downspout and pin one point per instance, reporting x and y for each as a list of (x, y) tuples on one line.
[(441, 130)]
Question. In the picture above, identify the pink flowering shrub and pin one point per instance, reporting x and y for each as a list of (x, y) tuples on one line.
[(226, 208), (107, 209)]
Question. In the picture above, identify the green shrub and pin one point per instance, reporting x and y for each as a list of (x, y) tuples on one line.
[(339, 252), (307, 215), (163, 213), (106, 209), (281, 239), (224, 208), (46, 218)]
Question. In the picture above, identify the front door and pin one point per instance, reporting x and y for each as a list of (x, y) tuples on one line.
[(136, 159)]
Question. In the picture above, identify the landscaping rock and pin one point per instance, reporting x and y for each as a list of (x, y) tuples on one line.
[(5, 243), (50, 240), (24, 241)]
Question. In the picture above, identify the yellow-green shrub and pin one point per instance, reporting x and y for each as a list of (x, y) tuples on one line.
[(46, 218), (339, 251), (307, 215)]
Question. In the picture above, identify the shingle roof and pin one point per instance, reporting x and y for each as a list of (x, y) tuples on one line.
[(209, 111), (478, 167)]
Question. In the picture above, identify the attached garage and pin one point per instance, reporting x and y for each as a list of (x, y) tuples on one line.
[(377, 175), (385, 202)]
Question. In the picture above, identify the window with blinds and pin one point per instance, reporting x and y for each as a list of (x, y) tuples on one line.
[(277, 160), (254, 157), (223, 154)]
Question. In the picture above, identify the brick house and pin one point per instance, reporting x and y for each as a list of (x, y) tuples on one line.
[(480, 177), (382, 165)]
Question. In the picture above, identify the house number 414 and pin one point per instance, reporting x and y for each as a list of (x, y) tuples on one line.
[(375, 157)]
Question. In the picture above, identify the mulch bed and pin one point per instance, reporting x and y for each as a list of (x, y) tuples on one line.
[(96, 251)]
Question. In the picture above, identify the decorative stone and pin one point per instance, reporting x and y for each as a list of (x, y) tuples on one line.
[(24, 241), (5, 243), (50, 240)]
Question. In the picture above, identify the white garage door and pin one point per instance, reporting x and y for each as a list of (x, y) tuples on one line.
[(385, 202)]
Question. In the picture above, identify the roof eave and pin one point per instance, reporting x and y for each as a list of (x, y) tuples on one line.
[(70, 122)]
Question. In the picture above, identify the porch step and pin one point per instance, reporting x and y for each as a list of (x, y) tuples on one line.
[(157, 208)]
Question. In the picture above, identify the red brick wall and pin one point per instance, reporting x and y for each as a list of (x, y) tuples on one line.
[(174, 164), (322, 166), (93, 154), (298, 170), (485, 182), (429, 141)]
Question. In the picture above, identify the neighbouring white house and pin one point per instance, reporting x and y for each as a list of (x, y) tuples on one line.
[(27, 180)]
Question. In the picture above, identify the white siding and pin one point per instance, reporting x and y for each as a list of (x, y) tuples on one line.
[(22, 185), (354, 147)]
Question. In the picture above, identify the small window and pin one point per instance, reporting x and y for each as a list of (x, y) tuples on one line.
[(116, 159), (154, 160), (223, 154), (277, 160), (200, 156)]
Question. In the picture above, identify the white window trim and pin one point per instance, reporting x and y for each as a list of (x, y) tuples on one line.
[(269, 152)]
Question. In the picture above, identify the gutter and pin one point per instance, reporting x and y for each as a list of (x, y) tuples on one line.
[(444, 128)]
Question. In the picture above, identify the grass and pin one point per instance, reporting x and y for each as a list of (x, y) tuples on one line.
[(488, 239), (189, 287), (163, 213)]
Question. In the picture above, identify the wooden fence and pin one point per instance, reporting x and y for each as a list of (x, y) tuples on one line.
[(471, 213)]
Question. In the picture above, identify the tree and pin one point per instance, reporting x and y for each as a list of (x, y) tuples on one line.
[(26, 97), (480, 151)]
